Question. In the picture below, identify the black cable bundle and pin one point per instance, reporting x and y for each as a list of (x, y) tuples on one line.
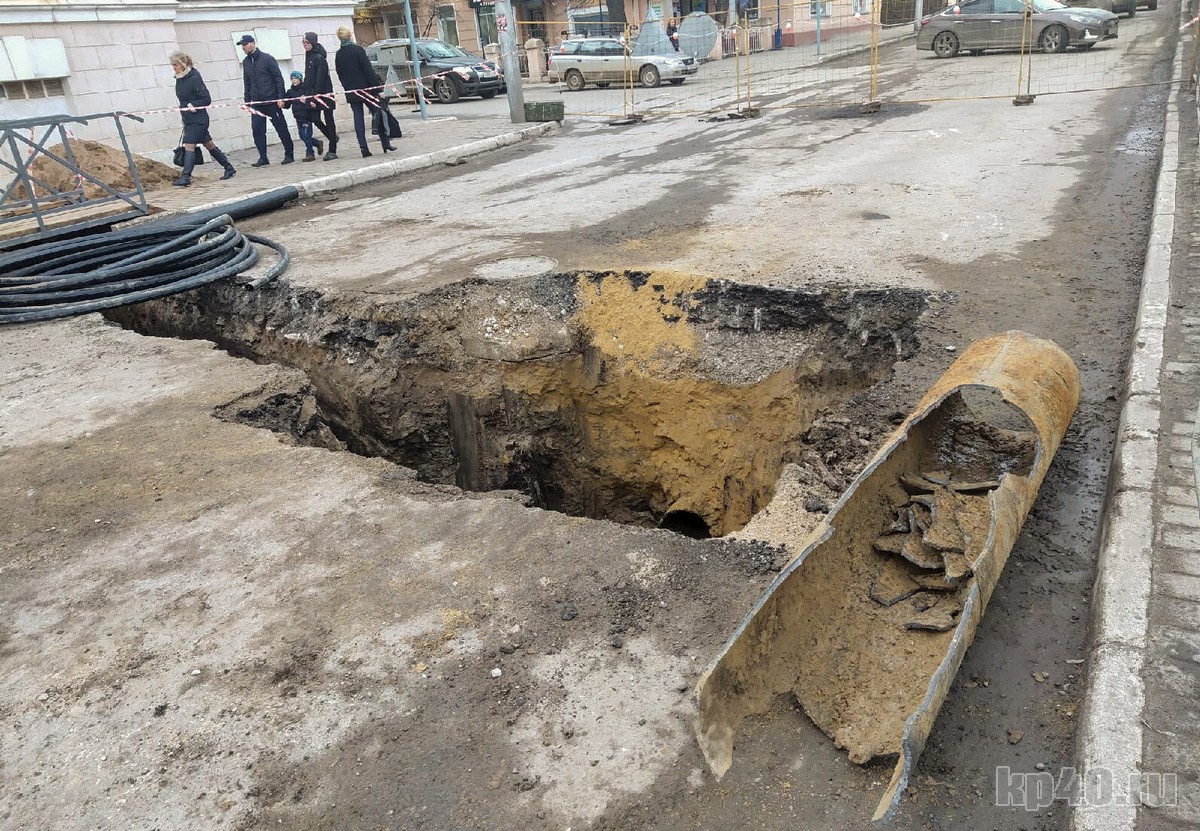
[(102, 271)]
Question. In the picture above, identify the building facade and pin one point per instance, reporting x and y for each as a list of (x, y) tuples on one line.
[(471, 24), (69, 56)]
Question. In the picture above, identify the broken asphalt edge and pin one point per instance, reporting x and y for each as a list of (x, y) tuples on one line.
[(1109, 739), (385, 170)]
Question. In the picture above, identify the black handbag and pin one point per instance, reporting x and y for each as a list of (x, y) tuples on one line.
[(384, 124), (179, 151)]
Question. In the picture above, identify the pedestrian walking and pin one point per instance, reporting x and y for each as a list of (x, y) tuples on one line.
[(361, 82), (317, 82), (263, 84), (194, 100), (302, 107)]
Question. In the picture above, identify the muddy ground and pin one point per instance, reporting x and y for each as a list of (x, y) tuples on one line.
[(212, 624)]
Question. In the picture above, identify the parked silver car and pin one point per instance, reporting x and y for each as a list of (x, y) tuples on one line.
[(604, 61), (978, 25)]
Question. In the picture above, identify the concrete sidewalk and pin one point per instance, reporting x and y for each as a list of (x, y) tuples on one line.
[(1139, 738), (443, 138), (424, 144)]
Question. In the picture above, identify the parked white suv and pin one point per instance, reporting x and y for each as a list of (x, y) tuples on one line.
[(604, 61)]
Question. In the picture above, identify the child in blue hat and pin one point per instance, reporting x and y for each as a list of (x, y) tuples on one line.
[(302, 112)]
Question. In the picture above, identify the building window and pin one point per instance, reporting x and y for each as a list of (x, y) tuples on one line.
[(533, 26), (487, 25), (395, 25), (447, 25), (33, 89), (594, 21)]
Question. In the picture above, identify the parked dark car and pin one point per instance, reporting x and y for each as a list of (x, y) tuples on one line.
[(450, 72), (979, 25)]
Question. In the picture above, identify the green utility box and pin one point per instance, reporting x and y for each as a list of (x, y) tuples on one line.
[(544, 111)]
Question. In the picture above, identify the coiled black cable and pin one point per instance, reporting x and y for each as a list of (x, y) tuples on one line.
[(103, 271)]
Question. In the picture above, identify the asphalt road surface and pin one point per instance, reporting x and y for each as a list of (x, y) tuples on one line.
[(1033, 218)]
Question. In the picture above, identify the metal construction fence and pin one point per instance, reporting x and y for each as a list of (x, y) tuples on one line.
[(43, 186), (852, 52)]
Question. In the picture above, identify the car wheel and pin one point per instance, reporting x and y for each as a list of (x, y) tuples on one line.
[(490, 94), (446, 90), (676, 81), (1132, 11), (945, 44), (574, 79), (1054, 38), (649, 76)]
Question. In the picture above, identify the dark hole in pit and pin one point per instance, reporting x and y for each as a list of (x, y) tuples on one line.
[(660, 400), (686, 523)]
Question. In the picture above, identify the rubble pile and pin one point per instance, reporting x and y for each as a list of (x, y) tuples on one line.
[(933, 543)]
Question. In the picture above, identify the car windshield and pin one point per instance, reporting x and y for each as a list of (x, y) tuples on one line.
[(1048, 5), (438, 49)]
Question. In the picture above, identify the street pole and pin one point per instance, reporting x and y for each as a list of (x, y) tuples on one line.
[(506, 28), (920, 13), (779, 24), (418, 88), (820, 7)]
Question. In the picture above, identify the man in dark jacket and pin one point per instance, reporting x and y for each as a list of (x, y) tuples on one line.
[(264, 87), (361, 82), (318, 83)]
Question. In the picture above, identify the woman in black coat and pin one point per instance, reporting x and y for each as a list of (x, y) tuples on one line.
[(317, 82), (356, 73), (193, 98)]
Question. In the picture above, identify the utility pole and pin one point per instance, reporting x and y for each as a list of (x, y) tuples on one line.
[(418, 89), (506, 28)]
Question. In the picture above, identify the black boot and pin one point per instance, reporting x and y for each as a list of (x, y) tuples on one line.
[(189, 162), (332, 154), (365, 151), (223, 160)]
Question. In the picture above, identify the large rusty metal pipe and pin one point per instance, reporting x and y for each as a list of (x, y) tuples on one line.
[(869, 622)]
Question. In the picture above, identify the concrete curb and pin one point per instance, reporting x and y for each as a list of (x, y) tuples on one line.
[(385, 170), (858, 50), (1110, 725), (339, 181)]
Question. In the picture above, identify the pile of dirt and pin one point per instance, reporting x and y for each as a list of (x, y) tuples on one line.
[(102, 162)]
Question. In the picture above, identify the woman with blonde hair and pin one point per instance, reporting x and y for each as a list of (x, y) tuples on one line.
[(194, 100), (361, 82)]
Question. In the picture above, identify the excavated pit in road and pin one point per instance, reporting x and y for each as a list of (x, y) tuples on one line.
[(655, 399)]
